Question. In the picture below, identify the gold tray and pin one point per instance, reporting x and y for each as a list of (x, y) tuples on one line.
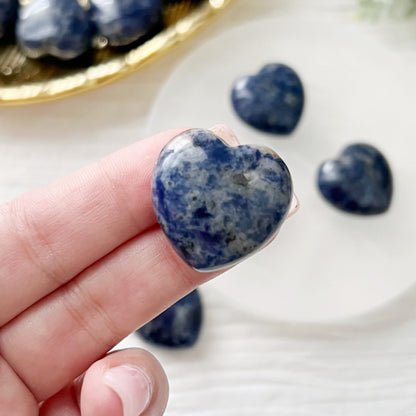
[(25, 81)]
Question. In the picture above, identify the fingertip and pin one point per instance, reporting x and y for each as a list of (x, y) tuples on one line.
[(294, 206), (226, 133)]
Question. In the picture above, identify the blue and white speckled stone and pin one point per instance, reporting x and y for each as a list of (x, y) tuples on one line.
[(124, 21), (8, 11), (179, 326), (271, 101), (217, 204), (359, 181), (58, 28)]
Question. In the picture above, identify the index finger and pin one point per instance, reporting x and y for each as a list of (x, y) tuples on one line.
[(52, 234)]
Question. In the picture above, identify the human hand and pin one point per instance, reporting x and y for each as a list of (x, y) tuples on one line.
[(83, 263)]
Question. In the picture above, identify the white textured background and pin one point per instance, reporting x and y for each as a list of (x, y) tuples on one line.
[(241, 366)]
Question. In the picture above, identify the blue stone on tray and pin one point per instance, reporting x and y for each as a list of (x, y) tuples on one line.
[(271, 101), (217, 204), (8, 11), (123, 21), (359, 181), (178, 326), (58, 28)]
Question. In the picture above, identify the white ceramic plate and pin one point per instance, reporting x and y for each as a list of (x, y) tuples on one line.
[(325, 264)]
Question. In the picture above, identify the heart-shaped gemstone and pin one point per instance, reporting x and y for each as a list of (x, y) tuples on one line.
[(359, 181), (271, 101), (178, 326), (216, 203), (59, 28), (123, 21)]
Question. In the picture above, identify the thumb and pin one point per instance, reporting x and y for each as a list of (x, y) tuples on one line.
[(129, 382), (125, 383)]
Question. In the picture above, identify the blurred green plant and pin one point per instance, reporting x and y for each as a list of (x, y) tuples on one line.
[(375, 9)]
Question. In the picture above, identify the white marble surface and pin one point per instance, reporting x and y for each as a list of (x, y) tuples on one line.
[(241, 366)]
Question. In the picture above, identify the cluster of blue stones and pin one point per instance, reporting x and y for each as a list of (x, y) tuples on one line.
[(178, 326), (271, 101), (217, 204), (359, 181), (66, 29)]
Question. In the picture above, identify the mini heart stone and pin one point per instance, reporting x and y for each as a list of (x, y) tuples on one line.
[(271, 101), (179, 326), (124, 21), (359, 181), (217, 204), (58, 28)]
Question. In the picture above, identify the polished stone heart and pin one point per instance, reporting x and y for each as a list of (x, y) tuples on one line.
[(178, 326), (60, 28), (359, 181), (217, 204), (123, 21), (271, 101)]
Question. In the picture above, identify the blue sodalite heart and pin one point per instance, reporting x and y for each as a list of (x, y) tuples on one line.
[(271, 101), (59, 28), (8, 10), (124, 21), (359, 181), (178, 326), (216, 203)]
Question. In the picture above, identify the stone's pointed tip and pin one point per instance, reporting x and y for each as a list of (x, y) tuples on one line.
[(225, 133), (294, 206), (178, 326)]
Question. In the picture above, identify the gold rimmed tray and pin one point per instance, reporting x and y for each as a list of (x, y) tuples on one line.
[(25, 81)]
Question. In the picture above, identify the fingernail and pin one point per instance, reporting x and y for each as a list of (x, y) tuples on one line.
[(132, 386), (225, 132)]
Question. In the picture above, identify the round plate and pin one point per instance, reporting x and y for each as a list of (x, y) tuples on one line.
[(325, 264), (25, 81)]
